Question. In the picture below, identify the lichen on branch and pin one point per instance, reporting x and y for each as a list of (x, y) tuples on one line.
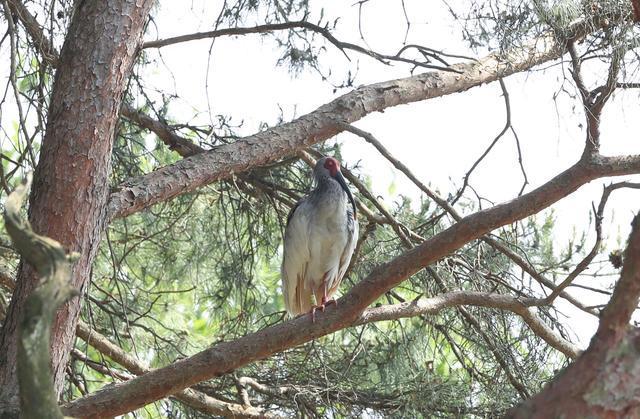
[(53, 264)]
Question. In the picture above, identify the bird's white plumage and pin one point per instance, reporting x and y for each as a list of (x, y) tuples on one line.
[(319, 240)]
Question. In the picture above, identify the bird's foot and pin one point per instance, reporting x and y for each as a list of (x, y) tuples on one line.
[(325, 303)]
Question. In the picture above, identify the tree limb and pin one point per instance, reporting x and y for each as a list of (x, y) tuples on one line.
[(303, 24), (179, 144), (228, 356), (603, 380), (323, 123), (190, 397), (436, 304), (40, 40), (37, 395)]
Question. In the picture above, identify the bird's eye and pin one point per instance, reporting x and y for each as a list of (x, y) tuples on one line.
[(332, 165)]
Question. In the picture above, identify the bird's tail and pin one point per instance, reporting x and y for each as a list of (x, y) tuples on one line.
[(298, 301)]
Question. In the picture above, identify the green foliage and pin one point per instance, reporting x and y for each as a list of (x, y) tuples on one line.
[(503, 25), (205, 267)]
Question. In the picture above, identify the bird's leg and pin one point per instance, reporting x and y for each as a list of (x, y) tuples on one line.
[(324, 302)]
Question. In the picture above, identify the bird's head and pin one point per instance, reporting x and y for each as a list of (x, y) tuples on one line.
[(328, 167)]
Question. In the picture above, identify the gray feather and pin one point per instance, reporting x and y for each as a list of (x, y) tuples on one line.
[(319, 240)]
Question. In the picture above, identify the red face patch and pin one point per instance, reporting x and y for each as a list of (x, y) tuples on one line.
[(332, 165)]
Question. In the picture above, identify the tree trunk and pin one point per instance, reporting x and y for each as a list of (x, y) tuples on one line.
[(68, 200), (604, 381)]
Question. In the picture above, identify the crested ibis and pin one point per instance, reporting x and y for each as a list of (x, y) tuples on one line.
[(319, 240)]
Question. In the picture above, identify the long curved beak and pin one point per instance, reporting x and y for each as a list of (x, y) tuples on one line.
[(343, 184)]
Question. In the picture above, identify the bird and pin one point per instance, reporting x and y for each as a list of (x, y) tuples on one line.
[(319, 240)]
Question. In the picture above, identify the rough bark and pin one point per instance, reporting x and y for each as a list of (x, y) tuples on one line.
[(278, 142), (605, 381), (68, 202), (228, 356), (221, 162)]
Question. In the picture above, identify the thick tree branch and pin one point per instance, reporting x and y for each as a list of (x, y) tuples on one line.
[(228, 356), (37, 394), (190, 397), (323, 123), (603, 380)]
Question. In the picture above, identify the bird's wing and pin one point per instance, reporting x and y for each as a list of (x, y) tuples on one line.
[(297, 297), (350, 246)]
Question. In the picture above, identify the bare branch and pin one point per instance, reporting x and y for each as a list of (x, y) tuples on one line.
[(302, 24), (628, 85), (584, 263), (604, 92), (609, 390), (576, 72), (40, 40), (434, 305), (593, 101), (179, 144), (190, 397), (101, 368), (507, 125), (290, 138)]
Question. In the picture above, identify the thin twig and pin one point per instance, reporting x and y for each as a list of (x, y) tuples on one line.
[(302, 24), (520, 261)]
